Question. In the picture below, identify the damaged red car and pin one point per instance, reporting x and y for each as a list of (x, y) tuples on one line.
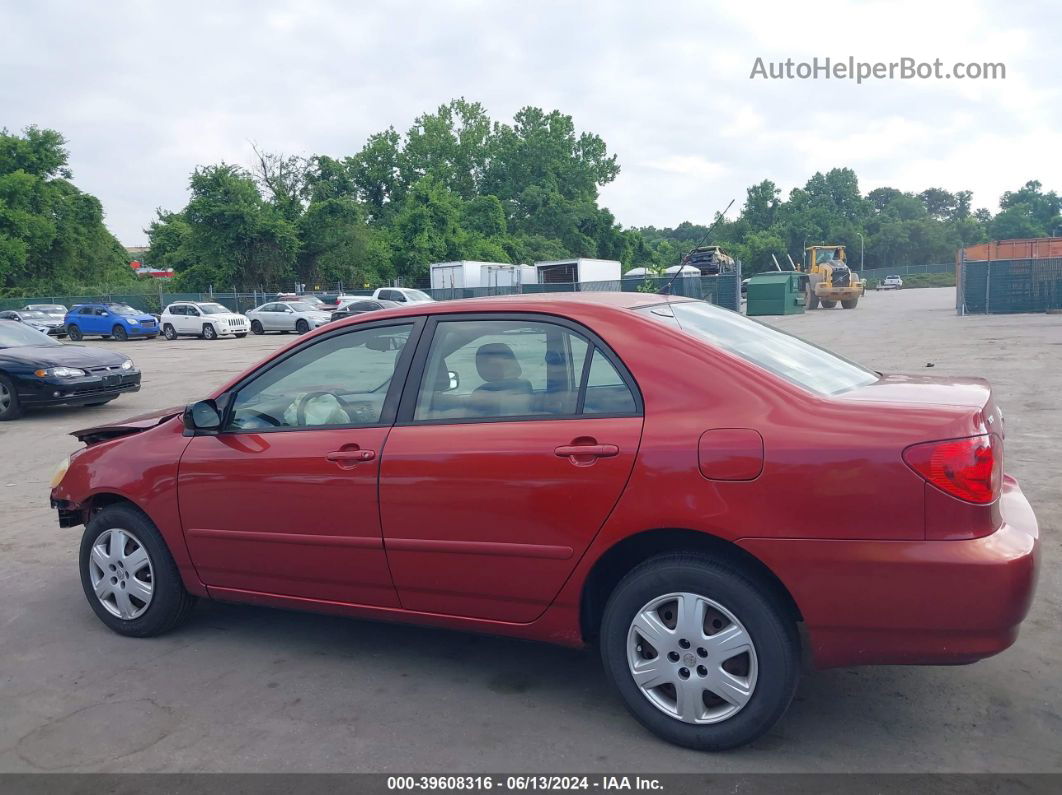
[(705, 499)]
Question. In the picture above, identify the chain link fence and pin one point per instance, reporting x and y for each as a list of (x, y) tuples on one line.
[(1006, 286), (723, 290)]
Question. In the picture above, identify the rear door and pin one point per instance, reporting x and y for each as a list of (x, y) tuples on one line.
[(501, 468)]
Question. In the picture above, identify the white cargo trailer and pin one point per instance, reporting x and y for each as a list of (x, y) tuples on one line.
[(472, 274), (580, 269)]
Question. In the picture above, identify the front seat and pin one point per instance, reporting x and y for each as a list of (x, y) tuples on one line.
[(503, 392)]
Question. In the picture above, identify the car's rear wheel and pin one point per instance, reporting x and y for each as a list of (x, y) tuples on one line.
[(701, 654), (169, 332), (75, 333), (119, 333), (851, 304), (302, 327), (209, 332), (10, 408), (828, 304), (129, 576), (256, 327)]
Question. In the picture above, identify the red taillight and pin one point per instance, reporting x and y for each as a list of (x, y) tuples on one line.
[(970, 469)]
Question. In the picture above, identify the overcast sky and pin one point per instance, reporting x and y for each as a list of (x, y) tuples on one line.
[(146, 91)]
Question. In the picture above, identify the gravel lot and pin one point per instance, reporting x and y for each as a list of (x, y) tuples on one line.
[(249, 689)]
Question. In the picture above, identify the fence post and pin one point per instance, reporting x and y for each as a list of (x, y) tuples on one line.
[(988, 286)]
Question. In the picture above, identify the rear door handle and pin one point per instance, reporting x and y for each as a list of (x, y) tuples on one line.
[(351, 457), (586, 450)]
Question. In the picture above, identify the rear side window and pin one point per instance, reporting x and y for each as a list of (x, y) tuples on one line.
[(177, 309), (784, 355), (493, 369)]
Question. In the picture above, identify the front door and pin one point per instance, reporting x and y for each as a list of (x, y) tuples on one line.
[(510, 452), (284, 500)]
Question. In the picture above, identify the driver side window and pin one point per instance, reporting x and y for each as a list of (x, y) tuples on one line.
[(340, 381)]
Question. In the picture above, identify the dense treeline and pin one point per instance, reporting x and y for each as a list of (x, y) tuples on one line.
[(456, 185), (52, 235)]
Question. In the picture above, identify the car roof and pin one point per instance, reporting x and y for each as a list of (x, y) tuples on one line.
[(548, 303)]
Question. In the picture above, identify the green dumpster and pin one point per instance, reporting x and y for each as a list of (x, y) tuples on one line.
[(776, 293)]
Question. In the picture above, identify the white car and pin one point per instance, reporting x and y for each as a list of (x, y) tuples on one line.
[(891, 283), (285, 316), (206, 320), (402, 295)]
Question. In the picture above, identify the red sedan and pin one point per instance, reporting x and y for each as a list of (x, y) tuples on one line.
[(682, 486)]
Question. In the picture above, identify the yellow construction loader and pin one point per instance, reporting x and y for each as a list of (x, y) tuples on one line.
[(829, 279)]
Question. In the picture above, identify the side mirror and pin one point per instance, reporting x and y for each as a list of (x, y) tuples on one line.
[(202, 417), (455, 381)]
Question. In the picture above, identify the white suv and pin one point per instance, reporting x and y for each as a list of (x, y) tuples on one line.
[(402, 295), (206, 320), (892, 283)]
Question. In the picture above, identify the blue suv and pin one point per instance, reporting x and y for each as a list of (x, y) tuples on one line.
[(119, 321)]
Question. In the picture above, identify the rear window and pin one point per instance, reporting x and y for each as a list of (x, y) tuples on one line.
[(788, 357)]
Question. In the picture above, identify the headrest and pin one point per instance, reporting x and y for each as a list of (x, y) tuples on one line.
[(496, 361)]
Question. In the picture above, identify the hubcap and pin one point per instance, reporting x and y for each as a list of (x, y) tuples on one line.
[(121, 573), (691, 658), (5, 398)]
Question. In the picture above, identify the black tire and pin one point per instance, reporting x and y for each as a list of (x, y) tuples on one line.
[(828, 304), (773, 635), (170, 603), (851, 304), (301, 327), (119, 333), (169, 332), (256, 327), (812, 301), (74, 333), (209, 332), (240, 335), (10, 407)]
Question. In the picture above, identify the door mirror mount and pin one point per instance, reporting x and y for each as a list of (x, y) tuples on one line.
[(202, 418)]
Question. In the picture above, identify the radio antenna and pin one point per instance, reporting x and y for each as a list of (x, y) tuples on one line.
[(666, 289)]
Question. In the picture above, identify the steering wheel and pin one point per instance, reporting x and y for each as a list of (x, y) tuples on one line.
[(300, 410)]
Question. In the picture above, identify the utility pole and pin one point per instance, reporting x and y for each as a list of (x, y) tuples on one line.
[(860, 250)]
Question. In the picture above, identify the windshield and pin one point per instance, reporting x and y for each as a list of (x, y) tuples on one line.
[(123, 309), (13, 335), (301, 306), (48, 308), (31, 315), (789, 357), (213, 309)]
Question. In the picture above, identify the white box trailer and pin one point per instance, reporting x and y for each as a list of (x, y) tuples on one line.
[(580, 269), (472, 274)]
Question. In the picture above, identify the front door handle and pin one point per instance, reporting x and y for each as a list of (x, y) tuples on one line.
[(348, 458)]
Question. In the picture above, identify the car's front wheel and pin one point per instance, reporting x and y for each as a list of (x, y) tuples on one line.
[(209, 332), (75, 333), (10, 408), (169, 332), (129, 576), (302, 326), (256, 327), (119, 333), (700, 653)]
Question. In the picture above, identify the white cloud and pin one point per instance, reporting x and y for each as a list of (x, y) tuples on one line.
[(146, 91)]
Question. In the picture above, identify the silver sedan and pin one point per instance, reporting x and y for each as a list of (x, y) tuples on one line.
[(286, 316)]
